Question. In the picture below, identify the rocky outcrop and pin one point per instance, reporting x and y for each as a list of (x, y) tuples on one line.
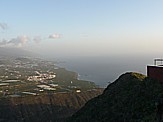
[(132, 97)]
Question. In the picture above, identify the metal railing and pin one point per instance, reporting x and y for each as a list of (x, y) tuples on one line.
[(158, 60)]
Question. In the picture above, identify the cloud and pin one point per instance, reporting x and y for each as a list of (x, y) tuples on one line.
[(54, 36), (3, 26), (37, 39), (15, 42), (22, 41), (19, 41)]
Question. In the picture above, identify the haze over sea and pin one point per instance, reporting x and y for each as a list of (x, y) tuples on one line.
[(103, 70)]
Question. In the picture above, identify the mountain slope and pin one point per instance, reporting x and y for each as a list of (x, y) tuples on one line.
[(14, 52), (43, 108), (131, 98)]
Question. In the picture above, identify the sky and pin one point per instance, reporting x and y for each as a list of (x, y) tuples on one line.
[(83, 27)]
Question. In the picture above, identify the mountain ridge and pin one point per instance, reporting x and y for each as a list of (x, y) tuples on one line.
[(132, 97), (43, 108), (15, 52)]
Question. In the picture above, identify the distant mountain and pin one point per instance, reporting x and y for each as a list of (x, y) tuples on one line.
[(132, 97), (14, 52)]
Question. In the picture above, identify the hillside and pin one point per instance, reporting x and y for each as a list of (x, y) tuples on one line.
[(14, 52), (44, 108), (132, 97), (36, 90)]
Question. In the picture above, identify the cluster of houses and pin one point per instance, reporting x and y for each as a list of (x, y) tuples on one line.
[(47, 87), (40, 77)]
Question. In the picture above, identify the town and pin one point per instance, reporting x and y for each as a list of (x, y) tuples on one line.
[(34, 76)]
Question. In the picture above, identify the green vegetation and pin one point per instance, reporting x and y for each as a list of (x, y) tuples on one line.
[(31, 72), (35, 90), (132, 97), (138, 75), (69, 78)]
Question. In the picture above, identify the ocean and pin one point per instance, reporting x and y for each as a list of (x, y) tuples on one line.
[(103, 70)]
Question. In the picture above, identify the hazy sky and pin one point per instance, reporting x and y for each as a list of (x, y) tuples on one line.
[(83, 27)]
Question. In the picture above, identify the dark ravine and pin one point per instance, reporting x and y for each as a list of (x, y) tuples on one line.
[(44, 108), (132, 97)]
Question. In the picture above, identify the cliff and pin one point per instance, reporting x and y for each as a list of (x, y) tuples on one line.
[(132, 97), (44, 108)]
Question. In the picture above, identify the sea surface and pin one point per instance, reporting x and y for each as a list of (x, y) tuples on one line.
[(104, 70)]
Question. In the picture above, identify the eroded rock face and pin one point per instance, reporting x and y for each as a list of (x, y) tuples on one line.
[(44, 108), (131, 98)]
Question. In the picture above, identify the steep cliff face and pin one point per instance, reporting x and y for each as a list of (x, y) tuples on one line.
[(132, 97), (44, 108)]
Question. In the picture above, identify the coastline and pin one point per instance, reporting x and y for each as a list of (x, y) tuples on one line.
[(103, 70), (78, 75)]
